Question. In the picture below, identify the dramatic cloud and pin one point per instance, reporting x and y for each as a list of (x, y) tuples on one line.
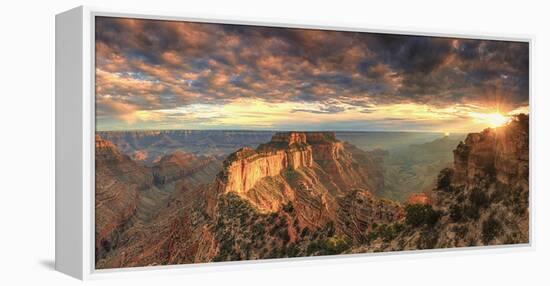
[(167, 74)]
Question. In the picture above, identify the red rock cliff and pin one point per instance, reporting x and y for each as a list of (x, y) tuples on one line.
[(246, 167), (294, 165), (501, 153)]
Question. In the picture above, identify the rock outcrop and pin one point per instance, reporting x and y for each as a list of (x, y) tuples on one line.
[(487, 190), (296, 162), (319, 185), (482, 200), (246, 167), (419, 198), (359, 211), (501, 154)]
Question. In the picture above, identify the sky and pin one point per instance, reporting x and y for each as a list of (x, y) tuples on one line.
[(153, 74)]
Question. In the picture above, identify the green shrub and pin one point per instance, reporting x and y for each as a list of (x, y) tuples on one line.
[(460, 198), (329, 228), (283, 234), (312, 247), (471, 211), (389, 232), (257, 230), (460, 230), (444, 179), (292, 250), (371, 236), (419, 214), (517, 200), (456, 213), (479, 198), (499, 194), (305, 232), (335, 245), (288, 207)]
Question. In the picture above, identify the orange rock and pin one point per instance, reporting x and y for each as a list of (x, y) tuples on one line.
[(420, 198)]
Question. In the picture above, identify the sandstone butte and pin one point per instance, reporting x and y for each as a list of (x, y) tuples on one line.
[(286, 150), (294, 162)]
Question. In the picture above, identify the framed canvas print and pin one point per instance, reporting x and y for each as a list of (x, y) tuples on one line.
[(184, 141)]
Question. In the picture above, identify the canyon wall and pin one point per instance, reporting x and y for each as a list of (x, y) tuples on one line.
[(501, 154), (247, 167), (178, 165), (341, 165), (118, 181)]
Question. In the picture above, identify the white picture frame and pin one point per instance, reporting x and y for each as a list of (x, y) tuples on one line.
[(75, 129)]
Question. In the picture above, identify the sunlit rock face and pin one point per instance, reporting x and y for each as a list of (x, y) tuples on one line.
[(489, 186), (512, 153), (289, 138), (246, 167), (500, 153), (419, 198), (485, 196), (292, 163)]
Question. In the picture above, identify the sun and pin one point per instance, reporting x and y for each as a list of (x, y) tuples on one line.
[(493, 120)]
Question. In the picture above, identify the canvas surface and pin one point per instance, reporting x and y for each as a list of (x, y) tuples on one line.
[(228, 142)]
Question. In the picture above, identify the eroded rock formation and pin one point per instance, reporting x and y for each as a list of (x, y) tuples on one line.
[(297, 161)]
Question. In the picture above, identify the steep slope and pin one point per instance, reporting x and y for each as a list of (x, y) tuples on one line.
[(133, 201), (179, 233), (177, 165), (118, 181)]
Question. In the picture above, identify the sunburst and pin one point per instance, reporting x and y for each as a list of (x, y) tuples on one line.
[(493, 120)]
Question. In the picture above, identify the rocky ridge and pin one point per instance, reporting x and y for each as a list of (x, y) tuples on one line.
[(482, 200)]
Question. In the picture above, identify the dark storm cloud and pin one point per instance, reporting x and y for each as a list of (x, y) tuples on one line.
[(410, 53), (146, 64)]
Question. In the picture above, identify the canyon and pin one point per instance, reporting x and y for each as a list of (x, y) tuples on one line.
[(304, 194)]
